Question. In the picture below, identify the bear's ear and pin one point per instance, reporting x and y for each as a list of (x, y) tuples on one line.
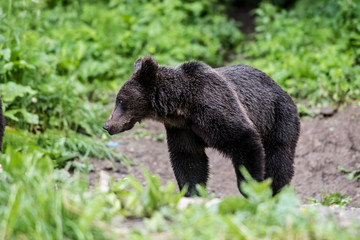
[(146, 70), (137, 64)]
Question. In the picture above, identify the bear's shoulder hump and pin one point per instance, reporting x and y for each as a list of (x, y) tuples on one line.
[(193, 67)]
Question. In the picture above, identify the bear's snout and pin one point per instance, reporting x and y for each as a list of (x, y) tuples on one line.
[(110, 129), (106, 127)]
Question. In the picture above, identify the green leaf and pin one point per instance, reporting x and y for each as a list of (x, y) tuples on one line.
[(6, 54), (12, 90), (26, 116), (230, 205)]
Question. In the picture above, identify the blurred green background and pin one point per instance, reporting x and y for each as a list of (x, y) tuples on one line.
[(61, 62)]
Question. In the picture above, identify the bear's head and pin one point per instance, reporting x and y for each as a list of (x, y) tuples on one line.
[(133, 101)]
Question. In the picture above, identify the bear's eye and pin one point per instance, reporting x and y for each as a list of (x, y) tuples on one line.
[(122, 103)]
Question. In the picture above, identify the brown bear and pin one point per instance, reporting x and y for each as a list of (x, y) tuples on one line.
[(238, 110), (2, 125)]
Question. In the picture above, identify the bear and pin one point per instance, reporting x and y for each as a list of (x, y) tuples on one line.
[(2, 125), (238, 110)]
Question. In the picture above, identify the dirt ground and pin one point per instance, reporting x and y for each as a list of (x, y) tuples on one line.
[(329, 140)]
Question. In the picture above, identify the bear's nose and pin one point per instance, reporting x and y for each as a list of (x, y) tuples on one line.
[(106, 127)]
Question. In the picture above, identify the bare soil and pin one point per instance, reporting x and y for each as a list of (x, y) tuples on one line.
[(329, 140)]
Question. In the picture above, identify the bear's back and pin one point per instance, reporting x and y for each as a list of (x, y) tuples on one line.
[(250, 81), (259, 94)]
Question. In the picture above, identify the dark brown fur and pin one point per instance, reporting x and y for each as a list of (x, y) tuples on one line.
[(2, 125), (237, 110)]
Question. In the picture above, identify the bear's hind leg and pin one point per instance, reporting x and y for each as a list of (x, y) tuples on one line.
[(280, 152), (279, 165), (188, 158)]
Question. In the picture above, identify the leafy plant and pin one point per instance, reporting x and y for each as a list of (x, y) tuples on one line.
[(42, 203), (305, 111), (352, 174), (331, 199), (61, 146), (144, 201), (310, 51), (79, 166)]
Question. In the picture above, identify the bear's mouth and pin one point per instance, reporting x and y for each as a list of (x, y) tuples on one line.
[(112, 130)]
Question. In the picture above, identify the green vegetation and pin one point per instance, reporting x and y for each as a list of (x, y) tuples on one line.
[(331, 199), (63, 207), (351, 174), (39, 202), (311, 50), (60, 63), (61, 60)]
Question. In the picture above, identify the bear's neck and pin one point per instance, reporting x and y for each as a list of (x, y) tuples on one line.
[(171, 93)]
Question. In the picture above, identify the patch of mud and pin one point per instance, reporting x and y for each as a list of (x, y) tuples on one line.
[(325, 143)]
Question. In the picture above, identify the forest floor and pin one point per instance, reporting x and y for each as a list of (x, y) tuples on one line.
[(328, 140)]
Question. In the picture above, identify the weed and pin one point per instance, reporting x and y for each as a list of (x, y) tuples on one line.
[(160, 137), (352, 174), (331, 199)]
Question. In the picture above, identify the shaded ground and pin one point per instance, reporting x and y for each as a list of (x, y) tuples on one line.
[(325, 143)]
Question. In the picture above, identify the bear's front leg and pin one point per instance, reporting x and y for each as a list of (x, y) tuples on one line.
[(188, 158)]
